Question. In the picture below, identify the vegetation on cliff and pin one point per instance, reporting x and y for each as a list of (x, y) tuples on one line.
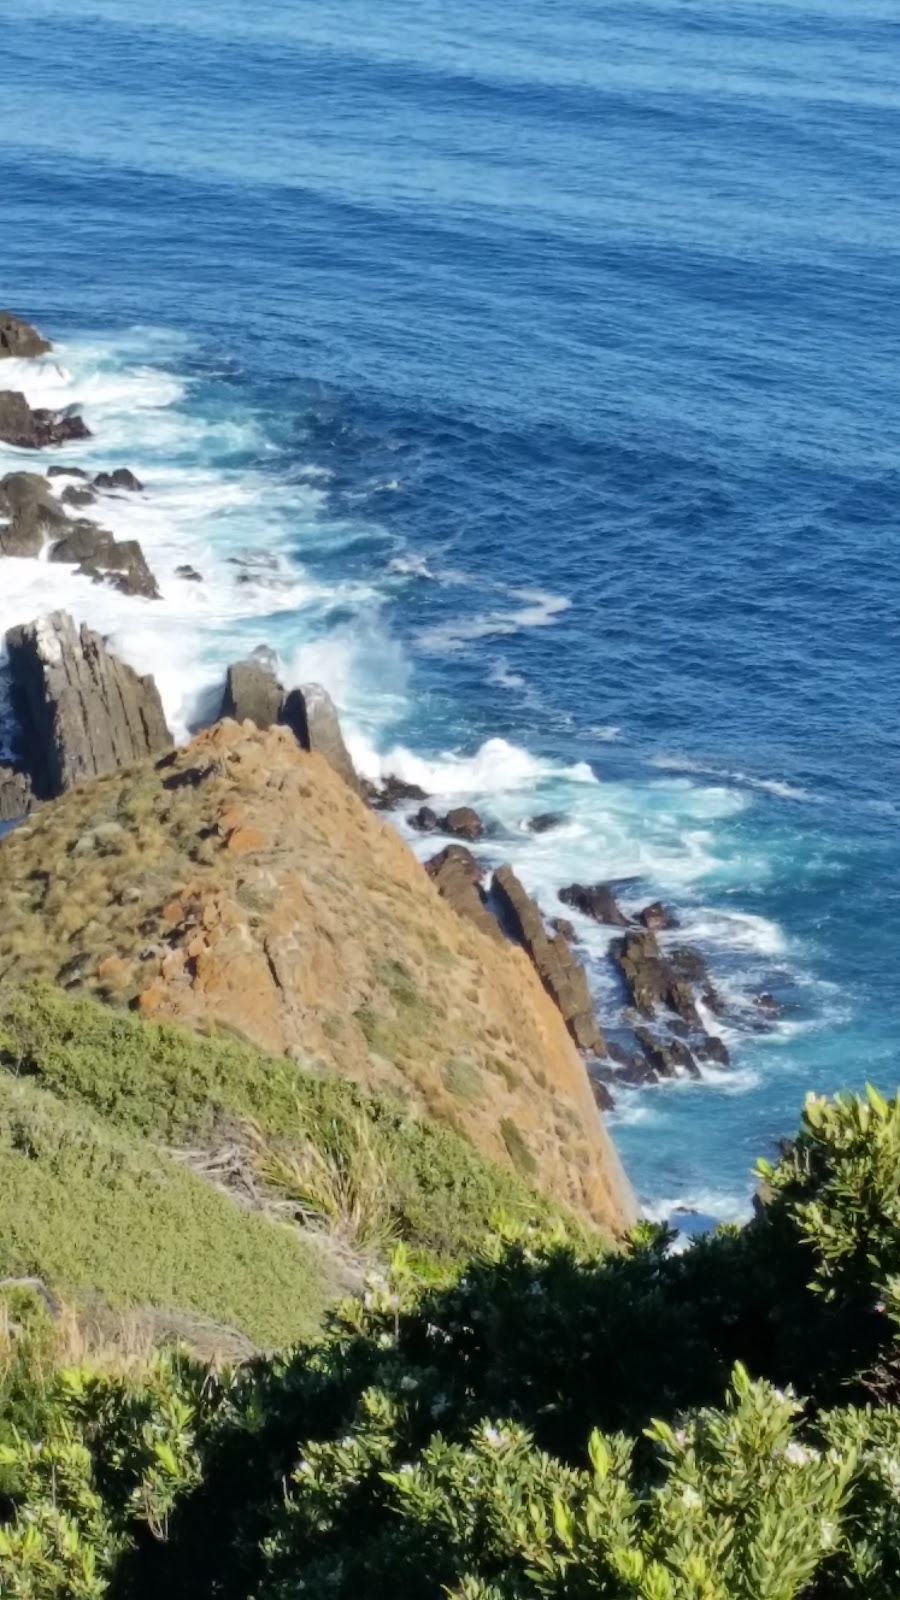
[(721, 1424)]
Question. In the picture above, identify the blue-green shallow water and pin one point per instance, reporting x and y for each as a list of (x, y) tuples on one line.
[(545, 364)]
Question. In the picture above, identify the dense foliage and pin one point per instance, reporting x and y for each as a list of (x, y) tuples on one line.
[(721, 1424)]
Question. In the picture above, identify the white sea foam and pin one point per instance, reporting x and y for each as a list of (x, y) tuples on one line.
[(775, 786), (537, 609)]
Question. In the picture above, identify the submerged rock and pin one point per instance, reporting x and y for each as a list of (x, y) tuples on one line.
[(657, 917), (80, 710), (545, 822), (597, 901), (19, 339), (190, 574), (393, 791), (35, 430), (424, 820)]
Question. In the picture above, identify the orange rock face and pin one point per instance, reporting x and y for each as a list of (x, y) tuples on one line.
[(248, 888)]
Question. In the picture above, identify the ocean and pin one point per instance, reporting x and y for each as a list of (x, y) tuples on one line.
[(531, 377)]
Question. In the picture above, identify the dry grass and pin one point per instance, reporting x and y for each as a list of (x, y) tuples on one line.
[(341, 1181)]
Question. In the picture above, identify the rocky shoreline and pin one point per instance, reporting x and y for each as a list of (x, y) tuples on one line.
[(79, 713)]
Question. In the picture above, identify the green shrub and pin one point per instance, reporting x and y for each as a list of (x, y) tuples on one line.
[(546, 1424)]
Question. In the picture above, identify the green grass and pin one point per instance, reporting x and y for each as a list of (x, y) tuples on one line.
[(93, 1212), (156, 1083)]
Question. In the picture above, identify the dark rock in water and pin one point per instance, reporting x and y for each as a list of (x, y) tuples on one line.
[(122, 478), (16, 794), (190, 574), (27, 500), (688, 963), (768, 1003), (253, 692), (312, 715), (669, 1058), (99, 555), (34, 430), (562, 976), (595, 900), (66, 472), (711, 1048), (20, 339), (80, 710), (394, 791), (602, 1094), (651, 980), (713, 1000), (457, 877), (565, 927), (77, 497), (425, 820), (464, 822), (657, 917), (544, 822)]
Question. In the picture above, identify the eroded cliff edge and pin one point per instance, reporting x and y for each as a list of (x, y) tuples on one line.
[(239, 884)]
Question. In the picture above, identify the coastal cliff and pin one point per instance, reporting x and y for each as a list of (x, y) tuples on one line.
[(239, 884)]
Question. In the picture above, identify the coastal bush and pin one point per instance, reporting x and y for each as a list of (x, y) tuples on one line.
[(309, 1134), (719, 1424)]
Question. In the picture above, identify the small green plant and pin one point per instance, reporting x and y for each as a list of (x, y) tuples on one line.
[(519, 1153)]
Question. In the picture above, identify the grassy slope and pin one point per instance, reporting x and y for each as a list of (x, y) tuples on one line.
[(89, 1099)]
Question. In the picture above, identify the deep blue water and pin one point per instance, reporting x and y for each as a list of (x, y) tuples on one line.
[(546, 362)]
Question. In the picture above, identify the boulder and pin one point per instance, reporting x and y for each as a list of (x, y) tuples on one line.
[(252, 690), (657, 917), (33, 514), (563, 977), (16, 794), (595, 900), (34, 430), (190, 574), (565, 927), (463, 822), (312, 716), (80, 710), (20, 339), (424, 820), (99, 555), (457, 877), (122, 478)]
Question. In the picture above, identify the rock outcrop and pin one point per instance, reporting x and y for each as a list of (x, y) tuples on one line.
[(33, 515), (458, 878), (245, 887), (81, 711), (36, 430), (311, 715), (563, 977), (20, 339), (98, 555), (16, 794), (253, 693)]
